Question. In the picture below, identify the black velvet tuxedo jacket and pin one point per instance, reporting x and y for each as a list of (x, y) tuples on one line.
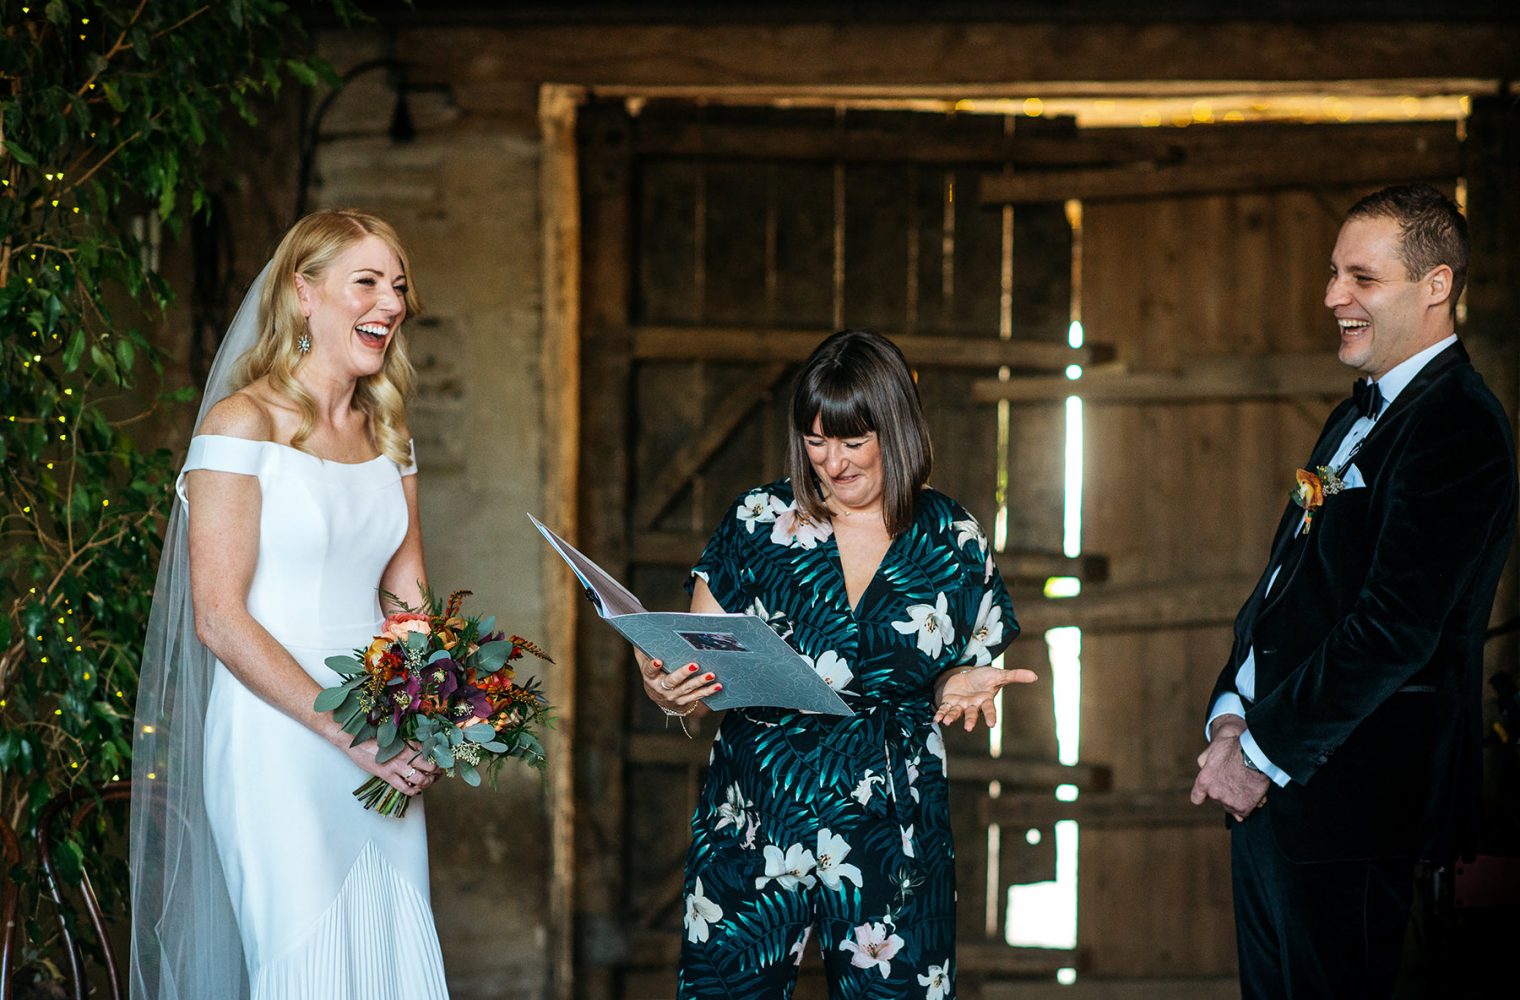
[(1369, 650)]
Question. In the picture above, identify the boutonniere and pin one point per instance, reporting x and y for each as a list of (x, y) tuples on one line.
[(1311, 488)]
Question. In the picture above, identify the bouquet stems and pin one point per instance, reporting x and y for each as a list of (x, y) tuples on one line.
[(378, 795)]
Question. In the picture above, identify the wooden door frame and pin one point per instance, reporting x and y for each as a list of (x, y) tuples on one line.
[(561, 364)]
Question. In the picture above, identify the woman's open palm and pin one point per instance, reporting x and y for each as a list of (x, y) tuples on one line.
[(968, 694)]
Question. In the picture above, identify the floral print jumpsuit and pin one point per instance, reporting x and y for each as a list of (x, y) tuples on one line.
[(838, 824)]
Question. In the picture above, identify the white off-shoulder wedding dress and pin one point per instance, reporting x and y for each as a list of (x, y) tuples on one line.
[(331, 899)]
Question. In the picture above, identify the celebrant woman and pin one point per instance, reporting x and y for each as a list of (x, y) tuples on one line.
[(888, 587), (255, 873)]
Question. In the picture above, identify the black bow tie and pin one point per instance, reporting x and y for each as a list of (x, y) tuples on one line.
[(1367, 397)]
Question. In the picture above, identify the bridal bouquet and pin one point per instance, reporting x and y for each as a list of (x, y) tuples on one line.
[(444, 686)]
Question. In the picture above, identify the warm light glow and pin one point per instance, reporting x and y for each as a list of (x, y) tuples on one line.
[(1066, 793), (1066, 977), (1034, 107), (1072, 535), (1044, 914), (1057, 587), (1073, 372), (1032, 836), (1074, 333), (1065, 646)]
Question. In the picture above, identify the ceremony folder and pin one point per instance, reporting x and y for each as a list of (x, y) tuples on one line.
[(755, 665)]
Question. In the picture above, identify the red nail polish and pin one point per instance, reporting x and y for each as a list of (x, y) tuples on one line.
[(717, 687), (708, 677), (691, 666)]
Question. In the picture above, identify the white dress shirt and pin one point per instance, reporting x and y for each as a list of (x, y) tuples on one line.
[(1390, 385)]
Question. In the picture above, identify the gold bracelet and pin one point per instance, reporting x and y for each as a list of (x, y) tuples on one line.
[(681, 716)]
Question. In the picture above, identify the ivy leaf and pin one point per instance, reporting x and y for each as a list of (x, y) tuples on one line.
[(303, 73), (126, 354), (75, 350), (113, 96), (20, 155)]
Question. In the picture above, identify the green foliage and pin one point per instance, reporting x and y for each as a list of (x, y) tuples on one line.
[(105, 106)]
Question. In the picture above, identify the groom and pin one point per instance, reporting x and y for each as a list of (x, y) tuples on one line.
[(1344, 730)]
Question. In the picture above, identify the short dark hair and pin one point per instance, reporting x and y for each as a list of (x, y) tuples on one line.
[(857, 382), (1432, 230)]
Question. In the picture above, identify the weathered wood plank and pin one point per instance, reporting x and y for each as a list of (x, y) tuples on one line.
[(1220, 377), (1185, 603), (946, 58), (1026, 566), (560, 192), (681, 343), (1102, 809), (661, 489), (602, 656), (1244, 158), (1493, 297)]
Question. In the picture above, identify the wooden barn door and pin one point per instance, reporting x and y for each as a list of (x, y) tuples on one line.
[(720, 244), (719, 247)]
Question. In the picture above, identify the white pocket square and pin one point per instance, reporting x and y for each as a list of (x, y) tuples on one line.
[(1352, 479)]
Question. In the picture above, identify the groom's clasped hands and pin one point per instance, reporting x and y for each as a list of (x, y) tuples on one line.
[(1223, 777)]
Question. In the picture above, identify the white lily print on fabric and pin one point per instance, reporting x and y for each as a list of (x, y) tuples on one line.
[(987, 632), (791, 869), (733, 812), (935, 743), (832, 850), (932, 623), (836, 673), (700, 913), (969, 531), (938, 981), (873, 948), (758, 508), (913, 777), (801, 946), (777, 620), (907, 840), (862, 792), (795, 531)]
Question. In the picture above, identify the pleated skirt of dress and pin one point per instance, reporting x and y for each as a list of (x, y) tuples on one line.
[(332, 900)]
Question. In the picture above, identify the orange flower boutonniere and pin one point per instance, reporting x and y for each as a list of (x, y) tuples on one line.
[(1311, 488)]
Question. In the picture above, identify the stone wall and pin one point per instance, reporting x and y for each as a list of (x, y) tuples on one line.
[(462, 194)]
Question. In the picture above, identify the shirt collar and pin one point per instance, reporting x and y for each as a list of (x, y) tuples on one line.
[(1400, 375)]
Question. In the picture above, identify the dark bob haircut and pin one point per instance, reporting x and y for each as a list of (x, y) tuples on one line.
[(857, 382)]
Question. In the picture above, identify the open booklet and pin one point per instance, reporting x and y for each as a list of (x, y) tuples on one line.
[(755, 665)]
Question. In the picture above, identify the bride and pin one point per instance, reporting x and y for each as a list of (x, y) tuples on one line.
[(254, 871)]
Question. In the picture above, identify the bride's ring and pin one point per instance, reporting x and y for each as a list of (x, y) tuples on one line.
[(407, 774), (662, 684)]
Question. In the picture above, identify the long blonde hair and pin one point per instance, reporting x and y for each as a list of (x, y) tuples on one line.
[(308, 249)]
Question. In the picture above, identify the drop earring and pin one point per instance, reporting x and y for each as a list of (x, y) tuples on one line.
[(303, 343)]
